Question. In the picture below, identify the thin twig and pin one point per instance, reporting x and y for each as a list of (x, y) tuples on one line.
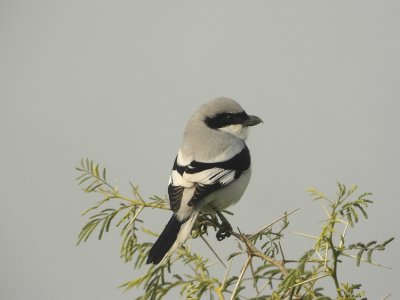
[(311, 279), (280, 264), (273, 223), (246, 265), (254, 278), (366, 261), (212, 250), (227, 273)]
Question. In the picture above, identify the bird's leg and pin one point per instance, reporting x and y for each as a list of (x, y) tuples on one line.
[(225, 230)]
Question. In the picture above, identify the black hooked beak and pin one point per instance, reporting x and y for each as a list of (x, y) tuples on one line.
[(252, 120)]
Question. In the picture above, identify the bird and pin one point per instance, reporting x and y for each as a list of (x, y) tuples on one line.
[(210, 173)]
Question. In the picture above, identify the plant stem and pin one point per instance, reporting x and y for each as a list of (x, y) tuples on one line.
[(253, 251), (246, 265), (335, 254)]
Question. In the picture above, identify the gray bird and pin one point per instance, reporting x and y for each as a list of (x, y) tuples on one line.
[(210, 172)]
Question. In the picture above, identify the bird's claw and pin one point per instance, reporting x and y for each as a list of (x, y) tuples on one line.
[(224, 231)]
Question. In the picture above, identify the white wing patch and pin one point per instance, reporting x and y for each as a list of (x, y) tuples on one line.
[(178, 180), (211, 176)]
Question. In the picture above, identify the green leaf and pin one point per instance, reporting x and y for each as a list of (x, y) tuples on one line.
[(352, 189), (359, 256), (104, 174)]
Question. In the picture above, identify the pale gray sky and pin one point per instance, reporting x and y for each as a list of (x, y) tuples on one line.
[(115, 81)]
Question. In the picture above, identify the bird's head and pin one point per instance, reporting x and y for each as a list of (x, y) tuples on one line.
[(227, 115)]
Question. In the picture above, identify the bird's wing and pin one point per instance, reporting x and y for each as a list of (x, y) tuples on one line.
[(205, 177)]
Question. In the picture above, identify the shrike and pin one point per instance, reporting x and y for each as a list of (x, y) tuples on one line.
[(210, 172)]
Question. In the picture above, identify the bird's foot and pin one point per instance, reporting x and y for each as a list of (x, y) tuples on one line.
[(225, 228), (224, 231)]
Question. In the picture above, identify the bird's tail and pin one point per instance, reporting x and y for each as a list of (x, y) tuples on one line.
[(174, 234)]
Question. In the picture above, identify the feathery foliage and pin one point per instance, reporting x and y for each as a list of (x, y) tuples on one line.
[(264, 271)]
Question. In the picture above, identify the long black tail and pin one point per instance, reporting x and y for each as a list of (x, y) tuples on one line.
[(165, 241)]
